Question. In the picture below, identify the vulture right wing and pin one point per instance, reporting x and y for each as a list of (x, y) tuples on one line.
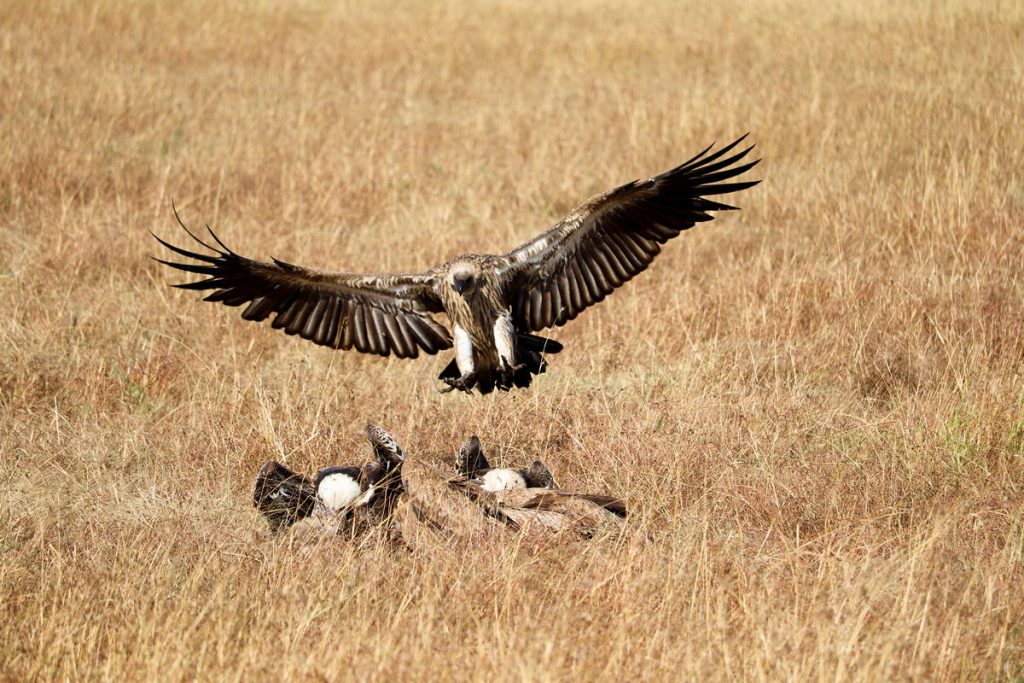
[(611, 238)]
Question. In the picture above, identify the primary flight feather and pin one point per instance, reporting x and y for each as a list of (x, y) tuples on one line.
[(493, 302)]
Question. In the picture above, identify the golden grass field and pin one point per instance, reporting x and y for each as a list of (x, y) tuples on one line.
[(813, 407)]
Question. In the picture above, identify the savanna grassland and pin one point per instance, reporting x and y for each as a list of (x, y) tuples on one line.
[(814, 407)]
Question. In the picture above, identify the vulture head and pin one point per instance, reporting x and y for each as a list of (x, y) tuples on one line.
[(464, 279), (539, 476)]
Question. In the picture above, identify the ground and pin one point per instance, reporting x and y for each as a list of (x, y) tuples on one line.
[(814, 407)]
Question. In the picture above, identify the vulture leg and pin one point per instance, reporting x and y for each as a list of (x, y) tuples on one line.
[(462, 383), (507, 373)]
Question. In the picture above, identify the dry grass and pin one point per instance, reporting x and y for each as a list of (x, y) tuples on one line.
[(815, 408)]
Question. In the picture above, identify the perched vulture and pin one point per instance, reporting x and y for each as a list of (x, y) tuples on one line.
[(528, 498), (494, 303), (335, 495), (473, 465)]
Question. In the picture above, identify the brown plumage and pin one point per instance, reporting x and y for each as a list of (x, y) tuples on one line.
[(493, 302), (529, 497), (552, 511), (337, 498), (283, 496)]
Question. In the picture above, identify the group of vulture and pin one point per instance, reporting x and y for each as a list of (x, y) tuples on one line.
[(382, 494), (488, 309)]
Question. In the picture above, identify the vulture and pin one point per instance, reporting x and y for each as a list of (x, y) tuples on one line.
[(493, 303), (522, 498), (473, 465), (331, 499)]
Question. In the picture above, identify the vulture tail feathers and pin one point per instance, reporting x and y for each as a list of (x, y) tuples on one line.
[(451, 371), (531, 342), (529, 356)]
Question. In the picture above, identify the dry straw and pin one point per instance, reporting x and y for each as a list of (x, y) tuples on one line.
[(814, 408)]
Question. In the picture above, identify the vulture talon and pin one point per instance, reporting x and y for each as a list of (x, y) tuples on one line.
[(464, 383)]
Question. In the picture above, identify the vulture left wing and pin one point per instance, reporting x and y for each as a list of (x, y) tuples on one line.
[(373, 313), (608, 240)]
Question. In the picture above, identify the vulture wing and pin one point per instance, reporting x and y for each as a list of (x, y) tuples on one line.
[(614, 236), (381, 314)]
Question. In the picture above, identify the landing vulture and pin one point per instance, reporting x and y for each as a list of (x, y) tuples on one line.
[(494, 303)]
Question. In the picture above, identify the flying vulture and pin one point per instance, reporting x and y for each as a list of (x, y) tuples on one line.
[(494, 303)]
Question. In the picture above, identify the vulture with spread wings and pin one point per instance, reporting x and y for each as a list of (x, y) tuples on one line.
[(493, 303)]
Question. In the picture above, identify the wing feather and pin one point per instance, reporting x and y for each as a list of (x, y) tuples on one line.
[(312, 327), (359, 330), (625, 264), (610, 239), (564, 296), (581, 293), (377, 337), (373, 313), (347, 335), (383, 342), (323, 330)]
